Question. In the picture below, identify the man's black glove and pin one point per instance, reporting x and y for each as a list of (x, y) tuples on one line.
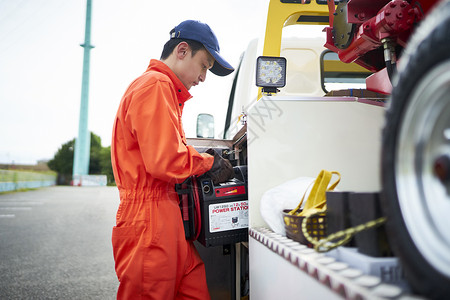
[(221, 170)]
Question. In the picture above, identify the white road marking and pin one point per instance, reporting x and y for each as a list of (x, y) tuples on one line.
[(6, 216), (11, 205), (19, 203)]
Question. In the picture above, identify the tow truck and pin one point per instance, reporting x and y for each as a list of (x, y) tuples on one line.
[(386, 129)]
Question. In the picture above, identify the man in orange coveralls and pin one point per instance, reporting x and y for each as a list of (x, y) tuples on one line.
[(149, 155)]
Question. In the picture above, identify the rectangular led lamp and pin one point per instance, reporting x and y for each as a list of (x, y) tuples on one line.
[(270, 72)]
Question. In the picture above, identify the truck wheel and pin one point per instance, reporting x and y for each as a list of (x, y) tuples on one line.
[(416, 158)]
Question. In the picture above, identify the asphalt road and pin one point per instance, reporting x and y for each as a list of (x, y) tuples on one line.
[(55, 243)]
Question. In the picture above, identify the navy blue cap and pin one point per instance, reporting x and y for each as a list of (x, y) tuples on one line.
[(201, 32)]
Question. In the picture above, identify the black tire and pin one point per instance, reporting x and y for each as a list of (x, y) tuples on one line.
[(417, 132)]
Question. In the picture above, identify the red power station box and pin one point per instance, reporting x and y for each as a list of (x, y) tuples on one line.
[(215, 215)]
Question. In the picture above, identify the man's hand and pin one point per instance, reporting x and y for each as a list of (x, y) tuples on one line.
[(221, 170)]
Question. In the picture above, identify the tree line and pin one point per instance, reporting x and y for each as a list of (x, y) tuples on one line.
[(99, 162)]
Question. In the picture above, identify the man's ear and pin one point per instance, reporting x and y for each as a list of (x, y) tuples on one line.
[(181, 50)]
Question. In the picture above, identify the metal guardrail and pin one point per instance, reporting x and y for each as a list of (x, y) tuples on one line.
[(12, 180)]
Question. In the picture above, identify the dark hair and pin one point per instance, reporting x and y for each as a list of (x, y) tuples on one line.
[(172, 43)]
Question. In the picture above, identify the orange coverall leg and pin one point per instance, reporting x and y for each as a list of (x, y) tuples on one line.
[(150, 247)]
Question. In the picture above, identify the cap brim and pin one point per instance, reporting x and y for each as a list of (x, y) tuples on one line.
[(221, 67)]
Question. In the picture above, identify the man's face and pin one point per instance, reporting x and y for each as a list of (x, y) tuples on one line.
[(192, 69)]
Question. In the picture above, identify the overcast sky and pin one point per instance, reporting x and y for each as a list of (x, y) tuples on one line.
[(41, 63)]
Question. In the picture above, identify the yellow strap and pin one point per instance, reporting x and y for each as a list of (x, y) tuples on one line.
[(317, 198), (296, 210), (333, 186), (318, 191)]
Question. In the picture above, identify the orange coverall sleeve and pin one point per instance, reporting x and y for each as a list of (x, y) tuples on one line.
[(155, 120)]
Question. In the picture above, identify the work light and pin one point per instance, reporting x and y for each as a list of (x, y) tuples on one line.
[(270, 73)]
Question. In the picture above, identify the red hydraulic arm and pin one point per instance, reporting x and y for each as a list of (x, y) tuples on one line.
[(373, 33)]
